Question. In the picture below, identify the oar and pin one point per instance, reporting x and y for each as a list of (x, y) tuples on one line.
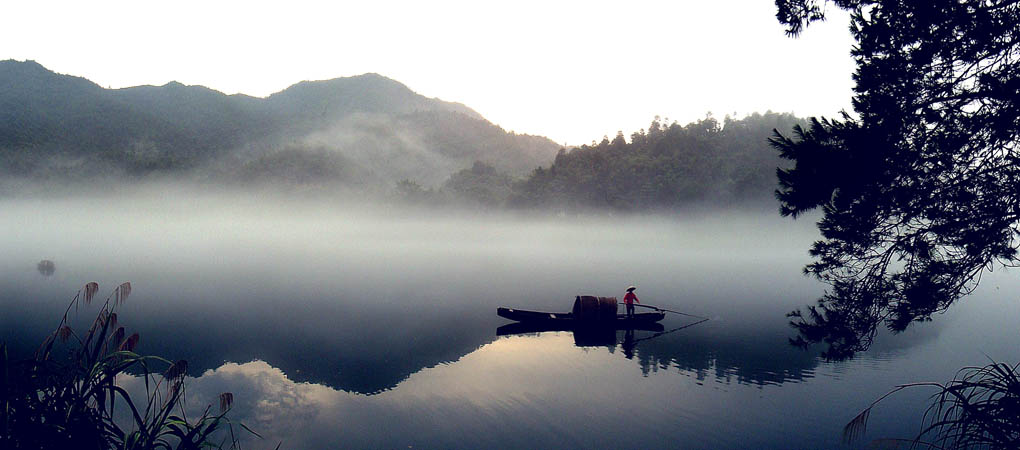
[(670, 310)]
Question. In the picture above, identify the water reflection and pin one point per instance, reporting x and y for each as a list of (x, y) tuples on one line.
[(518, 391), (359, 302), (370, 325), (597, 335), (724, 352), (370, 350), (603, 336), (591, 336), (543, 390)]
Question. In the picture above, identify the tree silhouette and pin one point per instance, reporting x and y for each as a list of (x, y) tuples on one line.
[(919, 187)]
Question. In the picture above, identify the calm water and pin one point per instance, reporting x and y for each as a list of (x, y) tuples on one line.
[(341, 326)]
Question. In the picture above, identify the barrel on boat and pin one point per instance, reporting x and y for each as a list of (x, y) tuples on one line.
[(591, 308)]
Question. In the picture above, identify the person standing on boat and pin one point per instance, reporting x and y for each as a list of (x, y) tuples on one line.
[(629, 300)]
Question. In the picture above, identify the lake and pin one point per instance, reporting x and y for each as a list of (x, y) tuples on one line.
[(337, 325)]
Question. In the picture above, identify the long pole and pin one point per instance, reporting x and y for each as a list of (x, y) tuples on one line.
[(670, 310)]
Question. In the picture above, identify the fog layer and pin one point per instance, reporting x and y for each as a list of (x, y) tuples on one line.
[(318, 311)]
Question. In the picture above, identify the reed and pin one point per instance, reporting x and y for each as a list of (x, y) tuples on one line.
[(67, 394), (979, 408)]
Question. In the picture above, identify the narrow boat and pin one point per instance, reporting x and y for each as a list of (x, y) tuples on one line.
[(588, 311), (621, 320)]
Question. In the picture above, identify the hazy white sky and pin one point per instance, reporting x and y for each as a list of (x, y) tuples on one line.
[(570, 70)]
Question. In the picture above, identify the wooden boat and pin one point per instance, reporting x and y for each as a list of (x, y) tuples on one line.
[(620, 321), (588, 311)]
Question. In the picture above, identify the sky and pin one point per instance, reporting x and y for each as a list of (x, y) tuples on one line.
[(570, 70)]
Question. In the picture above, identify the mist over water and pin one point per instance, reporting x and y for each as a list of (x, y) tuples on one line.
[(318, 311), (321, 248)]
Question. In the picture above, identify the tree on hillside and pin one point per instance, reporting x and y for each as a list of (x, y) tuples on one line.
[(920, 187), (669, 166), (481, 185)]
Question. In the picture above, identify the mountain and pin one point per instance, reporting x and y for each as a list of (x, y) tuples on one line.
[(311, 101), (366, 131)]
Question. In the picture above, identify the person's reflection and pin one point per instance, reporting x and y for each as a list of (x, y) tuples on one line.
[(628, 343)]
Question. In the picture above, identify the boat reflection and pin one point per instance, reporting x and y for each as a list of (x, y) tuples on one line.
[(584, 336), (601, 335)]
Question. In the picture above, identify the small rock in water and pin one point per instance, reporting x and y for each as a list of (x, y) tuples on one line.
[(46, 267)]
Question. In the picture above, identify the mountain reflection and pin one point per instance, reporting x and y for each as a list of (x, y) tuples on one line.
[(543, 382), (344, 350), (348, 352), (546, 387)]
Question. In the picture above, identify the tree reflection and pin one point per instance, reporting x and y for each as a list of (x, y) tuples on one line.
[(601, 336)]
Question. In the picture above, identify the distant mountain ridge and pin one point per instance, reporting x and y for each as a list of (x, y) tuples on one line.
[(369, 93), (363, 131)]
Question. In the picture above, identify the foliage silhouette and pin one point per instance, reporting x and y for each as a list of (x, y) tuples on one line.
[(920, 190), (66, 395), (980, 408)]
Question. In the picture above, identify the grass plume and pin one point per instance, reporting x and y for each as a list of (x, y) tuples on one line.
[(67, 398), (979, 408)]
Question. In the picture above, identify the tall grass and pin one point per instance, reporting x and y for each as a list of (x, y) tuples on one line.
[(980, 408), (66, 395)]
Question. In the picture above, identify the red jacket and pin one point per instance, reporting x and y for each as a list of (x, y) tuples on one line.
[(630, 298)]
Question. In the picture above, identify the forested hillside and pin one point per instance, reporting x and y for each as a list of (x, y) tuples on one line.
[(365, 134), (667, 167), (664, 167)]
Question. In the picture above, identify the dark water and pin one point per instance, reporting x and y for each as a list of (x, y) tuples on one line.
[(337, 326)]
